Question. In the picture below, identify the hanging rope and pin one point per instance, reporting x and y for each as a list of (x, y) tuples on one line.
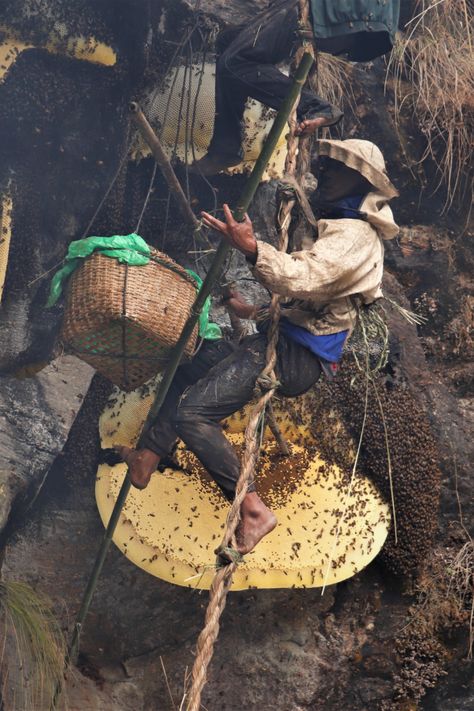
[(228, 556), (228, 548)]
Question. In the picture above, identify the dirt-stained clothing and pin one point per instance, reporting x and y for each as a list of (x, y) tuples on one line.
[(248, 55), (346, 261), (219, 381), (247, 67)]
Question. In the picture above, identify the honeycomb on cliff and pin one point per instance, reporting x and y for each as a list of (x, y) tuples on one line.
[(183, 108), (55, 61), (330, 525)]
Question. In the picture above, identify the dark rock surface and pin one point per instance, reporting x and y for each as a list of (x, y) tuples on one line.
[(36, 415), (288, 650)]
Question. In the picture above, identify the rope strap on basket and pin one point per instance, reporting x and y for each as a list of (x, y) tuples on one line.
[(228, 556)]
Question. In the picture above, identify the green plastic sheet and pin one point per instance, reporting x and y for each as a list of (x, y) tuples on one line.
[(128, 249), (210, 331)]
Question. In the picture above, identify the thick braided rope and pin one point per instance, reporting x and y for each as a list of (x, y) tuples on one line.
[(223, 578), (267, 381)]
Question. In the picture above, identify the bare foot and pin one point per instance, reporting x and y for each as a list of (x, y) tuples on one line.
[(309, 126), (257, 521), (141, 465)]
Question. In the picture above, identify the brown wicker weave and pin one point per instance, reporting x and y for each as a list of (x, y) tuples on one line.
[(124, 320)]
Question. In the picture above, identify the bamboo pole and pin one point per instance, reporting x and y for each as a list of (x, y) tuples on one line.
[(154, 144), (210, 281), (162, 160)]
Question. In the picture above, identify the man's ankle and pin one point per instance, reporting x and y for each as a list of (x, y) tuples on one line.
[(252, 504)]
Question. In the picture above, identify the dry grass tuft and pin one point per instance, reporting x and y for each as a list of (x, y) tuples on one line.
[(33, 648), (461, 586), (332, 80), (433, 70)]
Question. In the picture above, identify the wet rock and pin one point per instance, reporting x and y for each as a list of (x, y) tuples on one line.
[(371, 690), (36, 415)]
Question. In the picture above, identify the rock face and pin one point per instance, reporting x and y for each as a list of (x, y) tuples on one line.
[(63, 132), (36, 415), (229, 12)]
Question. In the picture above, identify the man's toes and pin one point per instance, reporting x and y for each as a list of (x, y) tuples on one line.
[(139, 482)]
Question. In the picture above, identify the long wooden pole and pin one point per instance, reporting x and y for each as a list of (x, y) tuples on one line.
[(210, 281), (174, 185), (154, 144)]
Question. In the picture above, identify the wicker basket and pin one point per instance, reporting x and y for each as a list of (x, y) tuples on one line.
[(125, 320)]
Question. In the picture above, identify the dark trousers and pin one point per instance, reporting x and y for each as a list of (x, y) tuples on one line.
[(246, 67), (219, 381)]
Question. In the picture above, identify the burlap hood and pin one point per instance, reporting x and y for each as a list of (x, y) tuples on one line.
[(367, 159), (379, 214), (363, 156)]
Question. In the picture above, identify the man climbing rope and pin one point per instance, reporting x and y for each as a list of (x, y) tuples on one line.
[(321, 284), (359, 29)]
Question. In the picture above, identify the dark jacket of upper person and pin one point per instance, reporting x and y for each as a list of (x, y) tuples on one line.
[(359, 29)]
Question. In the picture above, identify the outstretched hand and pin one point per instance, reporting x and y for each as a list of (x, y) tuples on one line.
[(239, 234)]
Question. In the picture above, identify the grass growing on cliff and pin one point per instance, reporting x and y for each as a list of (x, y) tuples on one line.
[(461, 586), (331, 80), (33, 649), (433, 70)]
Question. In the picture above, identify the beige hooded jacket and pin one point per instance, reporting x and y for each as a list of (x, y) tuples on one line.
[(318, 285)]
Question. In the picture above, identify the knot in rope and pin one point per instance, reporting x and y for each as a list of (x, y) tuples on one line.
[(267, 382), (227, 555), (305, 31), (286, 190)]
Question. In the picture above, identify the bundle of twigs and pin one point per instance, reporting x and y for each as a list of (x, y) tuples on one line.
[(332, 80)]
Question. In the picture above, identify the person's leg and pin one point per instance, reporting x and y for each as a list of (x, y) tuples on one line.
[(252, 58), (230, 105), (297, 369), (230, 99), (224, 390), (161, 437), (246, 68), (265, 40), (265, 83)]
